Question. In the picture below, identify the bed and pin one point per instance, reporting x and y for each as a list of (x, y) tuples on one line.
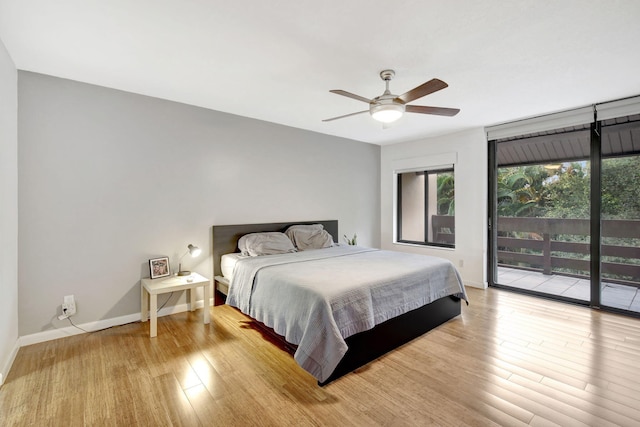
[(339, 307)]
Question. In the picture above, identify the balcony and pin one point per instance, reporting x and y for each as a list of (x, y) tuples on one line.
[(555, 245), (612, 295), (551, 255)]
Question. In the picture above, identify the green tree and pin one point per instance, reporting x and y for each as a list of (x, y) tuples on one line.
[(621, 188), (534, 191), (522, 191), (446, 194), (569, 192)]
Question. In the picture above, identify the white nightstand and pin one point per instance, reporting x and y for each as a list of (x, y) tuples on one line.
[(153, 287)]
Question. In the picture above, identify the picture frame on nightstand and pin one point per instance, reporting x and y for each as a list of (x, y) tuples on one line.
[(159, 267)]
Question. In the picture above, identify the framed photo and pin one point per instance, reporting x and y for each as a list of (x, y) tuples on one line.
[(159, 267)]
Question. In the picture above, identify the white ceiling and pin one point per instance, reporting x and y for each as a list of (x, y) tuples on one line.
[(277, 60)]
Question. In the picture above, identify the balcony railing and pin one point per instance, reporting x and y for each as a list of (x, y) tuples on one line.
[(560, 246)]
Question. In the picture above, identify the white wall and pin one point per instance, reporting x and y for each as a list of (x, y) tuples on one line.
[(109, 179), (8, 212), (469, 148)]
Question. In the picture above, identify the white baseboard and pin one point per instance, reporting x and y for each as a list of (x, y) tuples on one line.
[(473, 284), (7, 367), (54, 334)]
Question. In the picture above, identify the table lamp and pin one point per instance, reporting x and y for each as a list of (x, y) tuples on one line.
[(194, 251)]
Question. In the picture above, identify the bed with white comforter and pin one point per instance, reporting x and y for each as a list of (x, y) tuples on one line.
[(318, 298)]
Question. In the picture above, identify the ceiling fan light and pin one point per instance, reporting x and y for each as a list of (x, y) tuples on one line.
[(386, 113)]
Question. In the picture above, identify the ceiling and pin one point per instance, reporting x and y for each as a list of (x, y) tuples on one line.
[(277, 60)]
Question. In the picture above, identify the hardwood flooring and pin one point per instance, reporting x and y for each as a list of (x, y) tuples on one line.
[(509, 360)]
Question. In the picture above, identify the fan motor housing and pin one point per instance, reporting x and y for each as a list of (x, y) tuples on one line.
[(384, 100)]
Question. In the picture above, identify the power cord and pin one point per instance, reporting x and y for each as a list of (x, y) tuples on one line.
[(78, 327), (64, 311), (165, 303)]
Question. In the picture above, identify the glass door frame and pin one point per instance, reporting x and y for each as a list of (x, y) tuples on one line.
[(595, 197), (595, 157)]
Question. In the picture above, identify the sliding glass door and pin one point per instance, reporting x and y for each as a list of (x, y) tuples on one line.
[(542, 219), (620, 207), (565, 213)]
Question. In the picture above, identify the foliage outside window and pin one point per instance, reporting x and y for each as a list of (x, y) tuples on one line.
[(550, 191), (562, 191), (426, 207), (545, 191)]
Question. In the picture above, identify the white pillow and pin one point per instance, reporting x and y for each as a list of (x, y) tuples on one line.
[(269, 243), (312, 236)]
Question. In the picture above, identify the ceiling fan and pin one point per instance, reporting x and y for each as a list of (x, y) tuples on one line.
[(388, 107)]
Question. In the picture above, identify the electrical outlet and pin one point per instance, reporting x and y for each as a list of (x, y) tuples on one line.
[(69, 306), (461, 263)]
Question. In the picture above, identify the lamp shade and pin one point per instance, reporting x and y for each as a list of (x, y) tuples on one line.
[(192, 250)]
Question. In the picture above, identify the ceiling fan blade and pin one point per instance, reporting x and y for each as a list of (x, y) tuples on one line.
[(438, 111), (424, 89), (350, 95), (346, 115)]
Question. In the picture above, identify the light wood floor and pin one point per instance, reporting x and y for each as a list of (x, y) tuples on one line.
[(508, 360)]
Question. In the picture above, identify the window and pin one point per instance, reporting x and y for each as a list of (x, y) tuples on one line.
[(426, 207), (564, 209)]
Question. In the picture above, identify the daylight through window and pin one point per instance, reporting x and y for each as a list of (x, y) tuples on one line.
[(426, 207)]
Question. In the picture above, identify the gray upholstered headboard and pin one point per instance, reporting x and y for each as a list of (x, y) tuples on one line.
[(225, 237)]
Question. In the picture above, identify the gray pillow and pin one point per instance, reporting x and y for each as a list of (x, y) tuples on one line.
[(312, 236), (269, 243)]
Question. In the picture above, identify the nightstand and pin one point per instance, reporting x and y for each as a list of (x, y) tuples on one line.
[(151, 288)]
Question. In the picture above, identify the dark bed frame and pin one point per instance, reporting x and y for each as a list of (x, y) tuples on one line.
[(363, 347)]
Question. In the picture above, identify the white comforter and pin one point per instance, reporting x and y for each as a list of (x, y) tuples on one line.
[(317, 298)]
